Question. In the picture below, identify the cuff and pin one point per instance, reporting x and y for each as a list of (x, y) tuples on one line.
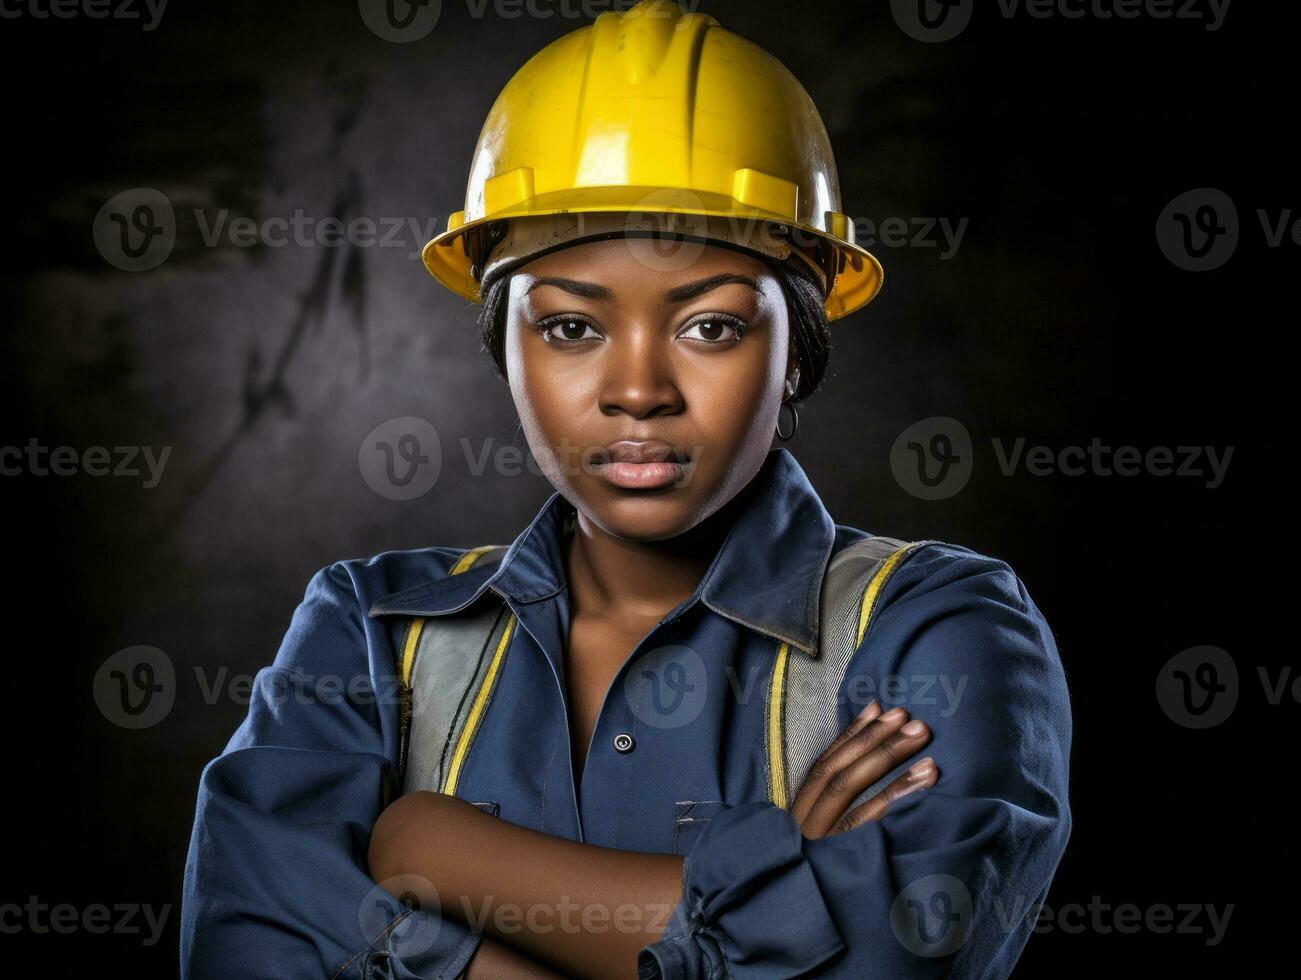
[(421, 947), (750, 907)]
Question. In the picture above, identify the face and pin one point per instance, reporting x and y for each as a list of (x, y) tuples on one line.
[(648, 390)]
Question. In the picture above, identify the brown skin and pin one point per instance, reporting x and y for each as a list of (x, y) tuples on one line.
[(622, 357)]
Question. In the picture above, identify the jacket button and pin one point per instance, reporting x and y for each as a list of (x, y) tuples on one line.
[(623, 742)]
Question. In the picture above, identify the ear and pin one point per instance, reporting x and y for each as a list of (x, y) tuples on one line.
[(792, 375)]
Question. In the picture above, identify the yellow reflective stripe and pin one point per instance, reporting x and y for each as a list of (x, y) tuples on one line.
[(469, 558), (418, 624), (409, 648), (773, 730), (874, 589), (476, 711)]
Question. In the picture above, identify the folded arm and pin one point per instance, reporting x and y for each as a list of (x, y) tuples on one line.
[(276, 882), (947, 883), (583, 909), (590, 910)]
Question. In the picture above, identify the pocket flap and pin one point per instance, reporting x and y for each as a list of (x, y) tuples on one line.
[(690, 818)]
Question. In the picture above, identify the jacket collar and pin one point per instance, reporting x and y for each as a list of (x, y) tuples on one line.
[(767, 575)]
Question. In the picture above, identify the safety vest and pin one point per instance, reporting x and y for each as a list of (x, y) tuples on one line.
[(450, 666)]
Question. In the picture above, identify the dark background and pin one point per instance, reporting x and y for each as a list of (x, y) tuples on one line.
[(1060, 319)]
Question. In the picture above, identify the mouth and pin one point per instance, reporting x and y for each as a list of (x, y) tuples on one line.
[(645, 464)]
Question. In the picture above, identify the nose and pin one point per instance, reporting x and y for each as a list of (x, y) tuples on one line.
[(640, 378)]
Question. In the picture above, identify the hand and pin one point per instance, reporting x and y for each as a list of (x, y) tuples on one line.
[(870, 747)]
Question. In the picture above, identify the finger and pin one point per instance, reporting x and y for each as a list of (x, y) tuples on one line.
[(867, 715), (818, 772), (828, 765), (921, 776), (855, 777)]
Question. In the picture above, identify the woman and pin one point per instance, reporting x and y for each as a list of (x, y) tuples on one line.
[(633, 710)]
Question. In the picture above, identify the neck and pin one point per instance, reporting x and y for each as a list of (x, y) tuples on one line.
[(641, 580)]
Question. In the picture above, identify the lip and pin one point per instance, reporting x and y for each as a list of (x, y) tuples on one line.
[(640, 464)]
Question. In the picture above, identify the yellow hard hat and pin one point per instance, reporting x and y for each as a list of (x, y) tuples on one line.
[(663, 112)]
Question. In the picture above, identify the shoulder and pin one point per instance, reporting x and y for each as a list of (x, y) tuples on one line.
[(914, 568), (332, 622), (964, 622), (362, 582), (949, 605)]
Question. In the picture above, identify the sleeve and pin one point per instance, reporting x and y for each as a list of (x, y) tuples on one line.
[(276, 882), (950, 881)]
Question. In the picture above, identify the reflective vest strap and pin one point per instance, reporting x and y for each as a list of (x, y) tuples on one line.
[(462, 736), (449, 665), (804, 700), (450, 673)]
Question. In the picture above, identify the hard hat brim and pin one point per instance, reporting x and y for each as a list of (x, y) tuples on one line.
[(449, 257)]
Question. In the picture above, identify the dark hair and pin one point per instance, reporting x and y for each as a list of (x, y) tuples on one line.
[(810, 331)]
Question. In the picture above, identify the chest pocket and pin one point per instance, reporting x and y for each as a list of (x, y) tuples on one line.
[(690, 818)]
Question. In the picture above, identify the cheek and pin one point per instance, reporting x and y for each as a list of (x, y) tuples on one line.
[(733, 395), (526, 389), (549, 392)]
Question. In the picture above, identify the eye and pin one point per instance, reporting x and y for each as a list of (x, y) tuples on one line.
[(566, 330), (715, 328)]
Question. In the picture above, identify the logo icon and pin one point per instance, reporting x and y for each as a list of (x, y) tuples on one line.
[(932, 916), (666, 687), (1198, 230), (400, 459), (401, 21), (652, 236), (409, 923), (1198, 687), (136, 687), (932, 459), (135, 231), (932, 21)]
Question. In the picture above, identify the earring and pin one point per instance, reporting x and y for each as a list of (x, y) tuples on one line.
[(795, 421)]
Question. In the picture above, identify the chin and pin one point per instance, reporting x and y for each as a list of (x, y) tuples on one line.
[(644, 515)]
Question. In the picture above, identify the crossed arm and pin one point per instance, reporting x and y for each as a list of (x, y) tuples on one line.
[(278, 883), (500, 877)]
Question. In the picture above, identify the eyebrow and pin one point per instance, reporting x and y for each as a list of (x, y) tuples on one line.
[(678, 294)]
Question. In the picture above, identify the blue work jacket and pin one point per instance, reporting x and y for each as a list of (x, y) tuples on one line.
[(947, 884)]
